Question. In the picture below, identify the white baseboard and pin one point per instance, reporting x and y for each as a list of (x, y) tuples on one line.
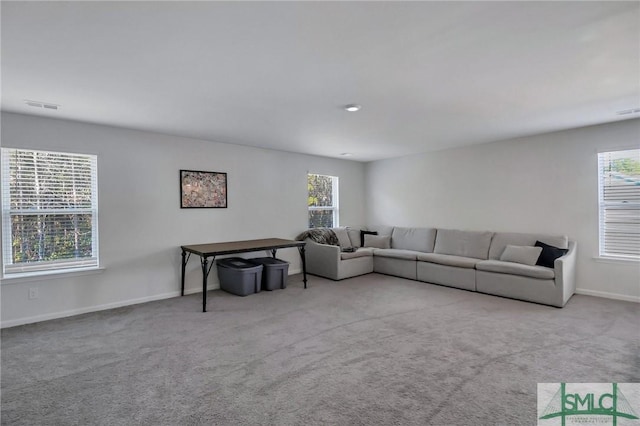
[(96, 308), (608, 295), (72, 312), (199, 290)]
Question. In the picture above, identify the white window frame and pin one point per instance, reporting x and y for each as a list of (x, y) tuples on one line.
[(335, 201), (11, 270), (603, 206)]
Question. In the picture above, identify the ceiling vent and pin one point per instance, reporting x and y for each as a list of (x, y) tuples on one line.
[(629, 111), (39, 104)]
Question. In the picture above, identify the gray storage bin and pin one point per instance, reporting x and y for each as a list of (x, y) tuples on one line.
[(274, 272), (239, 276)]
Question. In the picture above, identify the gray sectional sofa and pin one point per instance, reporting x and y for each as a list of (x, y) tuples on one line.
[(498, 263)]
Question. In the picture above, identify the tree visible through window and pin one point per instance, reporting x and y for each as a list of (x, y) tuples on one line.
[(49, 211), (619, 201), (322, 201)]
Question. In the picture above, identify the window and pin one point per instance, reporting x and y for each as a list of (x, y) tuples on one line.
[(49, 211), (323, 201), (619, 201)]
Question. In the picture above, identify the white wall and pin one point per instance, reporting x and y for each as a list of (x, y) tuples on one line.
[(545, 183), (141, 224)]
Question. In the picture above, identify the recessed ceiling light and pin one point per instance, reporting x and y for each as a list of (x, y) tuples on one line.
[(346, 154), (352, 107)]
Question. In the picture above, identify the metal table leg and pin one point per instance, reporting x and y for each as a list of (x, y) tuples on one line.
[(205, 274), (185, 259), (304, 265)]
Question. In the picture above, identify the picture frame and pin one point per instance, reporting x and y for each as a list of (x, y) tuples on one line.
[(203, 190)]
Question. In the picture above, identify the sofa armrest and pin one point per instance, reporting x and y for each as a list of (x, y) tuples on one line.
[(565, 271), (322, 259)]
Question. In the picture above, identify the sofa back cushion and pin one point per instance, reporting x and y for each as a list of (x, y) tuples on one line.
[(502, 239), (381, 229), (354, 235), (417, 239), (463, 243), (343, 237)]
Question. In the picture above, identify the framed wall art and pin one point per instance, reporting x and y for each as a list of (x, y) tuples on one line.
[(203, 190)]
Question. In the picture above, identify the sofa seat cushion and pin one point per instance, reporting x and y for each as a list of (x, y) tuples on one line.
[(449, 260), (361, 252), (516, 269), (397, 253)]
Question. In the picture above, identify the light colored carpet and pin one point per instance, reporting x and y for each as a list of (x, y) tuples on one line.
[(372, 350)]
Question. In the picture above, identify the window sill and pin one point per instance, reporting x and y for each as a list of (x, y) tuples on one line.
[(618, 260), (49, 275)]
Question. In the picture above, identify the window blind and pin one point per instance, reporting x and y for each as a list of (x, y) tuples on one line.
[(49, 210), (619, 201)]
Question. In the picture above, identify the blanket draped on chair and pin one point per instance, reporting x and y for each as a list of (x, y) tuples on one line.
[(320, 236)]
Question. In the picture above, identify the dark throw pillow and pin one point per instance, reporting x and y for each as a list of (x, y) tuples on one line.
[(363, 233), (549, 254)]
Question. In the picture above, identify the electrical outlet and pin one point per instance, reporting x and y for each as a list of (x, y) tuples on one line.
[(33, 293)]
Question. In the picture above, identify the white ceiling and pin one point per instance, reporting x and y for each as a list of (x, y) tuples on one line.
[(429, 75)]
